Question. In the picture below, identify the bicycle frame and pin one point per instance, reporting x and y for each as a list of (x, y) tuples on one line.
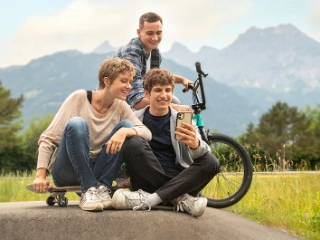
[(235, 175), (198, 106)]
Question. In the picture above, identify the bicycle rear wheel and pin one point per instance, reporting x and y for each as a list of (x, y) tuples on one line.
[(235, 176)]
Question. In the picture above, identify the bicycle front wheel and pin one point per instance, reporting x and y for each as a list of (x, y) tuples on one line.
[(234, 179)]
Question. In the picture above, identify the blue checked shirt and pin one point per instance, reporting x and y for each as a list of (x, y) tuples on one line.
[(135, 53)]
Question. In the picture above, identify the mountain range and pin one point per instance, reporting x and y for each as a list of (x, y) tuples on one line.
[(245, 79), (278, 59)]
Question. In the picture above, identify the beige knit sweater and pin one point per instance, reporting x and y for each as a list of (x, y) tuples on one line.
[(100, 126)]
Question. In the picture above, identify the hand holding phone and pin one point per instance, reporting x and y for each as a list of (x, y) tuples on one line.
[(183, 117)]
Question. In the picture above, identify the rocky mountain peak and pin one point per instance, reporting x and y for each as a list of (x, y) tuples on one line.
[(281, 36), (105, 47), (177, 48)]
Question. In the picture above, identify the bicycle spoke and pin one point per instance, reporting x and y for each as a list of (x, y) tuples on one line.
[(225, 185)]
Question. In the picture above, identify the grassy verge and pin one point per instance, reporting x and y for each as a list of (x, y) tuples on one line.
[(13, 189), (288, 202)]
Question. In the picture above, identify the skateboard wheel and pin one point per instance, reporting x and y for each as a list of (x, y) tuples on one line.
[(63, 202), (50, 201)]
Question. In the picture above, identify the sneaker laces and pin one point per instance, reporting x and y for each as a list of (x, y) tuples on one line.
[(183, 200), (143, 202), (92, 194), (105, 192)]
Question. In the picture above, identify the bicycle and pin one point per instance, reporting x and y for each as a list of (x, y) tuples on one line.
[(234, 179)]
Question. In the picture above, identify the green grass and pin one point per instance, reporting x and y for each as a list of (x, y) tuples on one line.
[(13, 189), (287, 202)]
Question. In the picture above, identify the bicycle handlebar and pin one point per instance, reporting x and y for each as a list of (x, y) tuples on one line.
[(198, 68), (189, 87), (198, 106)]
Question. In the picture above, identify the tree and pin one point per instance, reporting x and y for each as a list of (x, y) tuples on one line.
[(10, 113), (281, 132), (314, 115), (283, 125), (16, 160), (311, 150), (31, 135)]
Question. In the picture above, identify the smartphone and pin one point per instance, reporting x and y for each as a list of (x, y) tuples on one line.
[(183, 117)]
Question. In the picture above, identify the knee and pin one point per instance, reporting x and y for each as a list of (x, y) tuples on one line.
[(136, 145), (211, 164), (76, 122), (77, 125), (134, 149), (135, 142), (126, 123)]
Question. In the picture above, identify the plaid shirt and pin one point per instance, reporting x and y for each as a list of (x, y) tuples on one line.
[(135, 53)]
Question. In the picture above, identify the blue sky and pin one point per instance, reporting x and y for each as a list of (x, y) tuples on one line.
[(33, 28)]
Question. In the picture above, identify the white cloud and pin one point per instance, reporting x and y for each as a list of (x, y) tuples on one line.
[(85, 24), (314, 20), (315, 13)]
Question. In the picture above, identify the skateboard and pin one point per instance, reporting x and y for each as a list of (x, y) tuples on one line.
[(57, 194)]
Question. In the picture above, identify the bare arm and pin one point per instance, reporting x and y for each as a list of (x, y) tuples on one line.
[(179, 79), (143, 103)]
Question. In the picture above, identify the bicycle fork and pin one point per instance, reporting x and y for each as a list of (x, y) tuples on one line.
[(197, 117)]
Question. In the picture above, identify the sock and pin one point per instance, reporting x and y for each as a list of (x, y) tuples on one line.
[(153, 199)]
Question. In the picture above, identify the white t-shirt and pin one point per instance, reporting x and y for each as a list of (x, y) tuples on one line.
[(148, 63)]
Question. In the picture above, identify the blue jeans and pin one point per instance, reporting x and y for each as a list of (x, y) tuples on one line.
[(74, 167)]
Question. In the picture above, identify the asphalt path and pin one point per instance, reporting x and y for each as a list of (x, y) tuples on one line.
[(36, 220)]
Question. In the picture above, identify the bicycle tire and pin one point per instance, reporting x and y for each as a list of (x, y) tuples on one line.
[(234, 179)]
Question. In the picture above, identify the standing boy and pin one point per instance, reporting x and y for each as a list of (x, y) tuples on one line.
[(144, 54)]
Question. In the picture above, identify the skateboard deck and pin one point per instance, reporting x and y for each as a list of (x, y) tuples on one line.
[(57, 189), (57, 194)]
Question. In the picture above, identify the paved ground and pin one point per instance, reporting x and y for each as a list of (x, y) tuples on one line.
[(36, 220)]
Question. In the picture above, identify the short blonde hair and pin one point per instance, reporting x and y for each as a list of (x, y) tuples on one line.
[(157, 76), (111, 68)]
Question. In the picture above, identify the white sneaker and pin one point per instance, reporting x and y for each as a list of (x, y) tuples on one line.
[(90, 200), (125, 199), (105, 197), (195, 206)]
